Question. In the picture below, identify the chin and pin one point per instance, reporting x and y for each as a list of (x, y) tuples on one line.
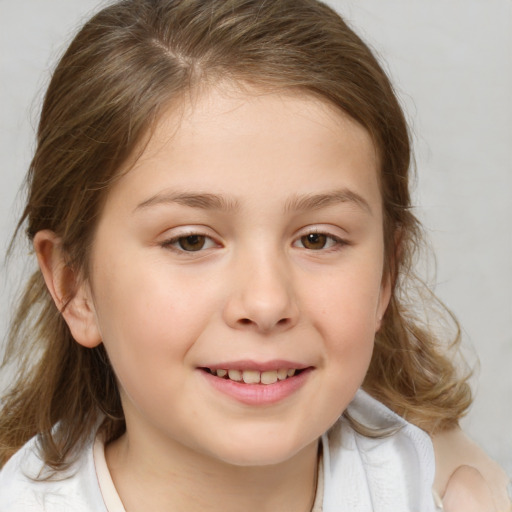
[(274, 451)]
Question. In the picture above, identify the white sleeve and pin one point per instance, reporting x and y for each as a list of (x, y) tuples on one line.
[(76, 490)]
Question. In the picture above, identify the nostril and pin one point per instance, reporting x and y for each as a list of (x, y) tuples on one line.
[(265, 325)]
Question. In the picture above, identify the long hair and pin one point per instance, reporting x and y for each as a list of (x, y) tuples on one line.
[(122, 70)]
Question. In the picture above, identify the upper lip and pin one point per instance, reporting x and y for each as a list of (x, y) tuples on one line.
[(261, 366)]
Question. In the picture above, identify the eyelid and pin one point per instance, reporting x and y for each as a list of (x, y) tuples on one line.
[(340, 241), (170, 241)]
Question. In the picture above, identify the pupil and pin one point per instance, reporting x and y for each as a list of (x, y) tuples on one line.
[(314, 241), (192, 242)]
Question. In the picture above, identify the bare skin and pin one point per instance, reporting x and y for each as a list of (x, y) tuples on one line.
[(466, 478), (253, 291), (255, 296)]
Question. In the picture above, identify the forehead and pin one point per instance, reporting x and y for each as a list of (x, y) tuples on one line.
[(232, 139), (295, 115)]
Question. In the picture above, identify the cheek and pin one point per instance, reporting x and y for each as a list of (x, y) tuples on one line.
[(148, 329), (344, 310), (345, 303), (146, 300), (150, 316)]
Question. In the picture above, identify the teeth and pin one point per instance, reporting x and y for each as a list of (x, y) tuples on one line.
[(282, 373), (235, 375), (268, 377), (254, 376), (251, 377)]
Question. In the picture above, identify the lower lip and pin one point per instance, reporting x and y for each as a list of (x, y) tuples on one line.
[(258, 394)]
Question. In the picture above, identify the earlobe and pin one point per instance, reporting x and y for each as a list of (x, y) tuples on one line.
[(389, 278), (384, 299), (71, 295)]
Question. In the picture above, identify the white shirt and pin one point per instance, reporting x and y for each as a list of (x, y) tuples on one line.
[(357, 473)]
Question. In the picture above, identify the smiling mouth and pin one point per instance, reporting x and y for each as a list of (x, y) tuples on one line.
[(254, 376)]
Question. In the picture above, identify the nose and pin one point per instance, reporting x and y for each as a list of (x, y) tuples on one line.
[(262, 296)]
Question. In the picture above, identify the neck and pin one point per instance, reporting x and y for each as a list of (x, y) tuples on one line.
[(148, 479)]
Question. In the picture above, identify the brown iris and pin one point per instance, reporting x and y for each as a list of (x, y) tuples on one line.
[(314, 241), (192, 242)]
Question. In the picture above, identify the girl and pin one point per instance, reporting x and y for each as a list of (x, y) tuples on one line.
[(219, 207)]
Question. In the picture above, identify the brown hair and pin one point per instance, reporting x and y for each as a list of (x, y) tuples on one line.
[(125, 65)]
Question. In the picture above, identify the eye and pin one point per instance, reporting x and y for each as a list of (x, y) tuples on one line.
[(318, 241), (190, 243)]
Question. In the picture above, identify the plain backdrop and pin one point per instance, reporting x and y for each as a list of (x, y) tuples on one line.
[(451, 62)]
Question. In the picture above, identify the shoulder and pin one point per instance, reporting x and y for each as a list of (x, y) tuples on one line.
[(27, 485), (387, 430), (16, 480), (389, 470), (466, 476)]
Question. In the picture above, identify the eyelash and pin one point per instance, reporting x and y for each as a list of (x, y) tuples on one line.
[(172, 243), (335, 243), (332, 242)]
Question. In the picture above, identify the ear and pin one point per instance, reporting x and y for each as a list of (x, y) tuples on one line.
[(71, 295), (386, 288), (389, 277)]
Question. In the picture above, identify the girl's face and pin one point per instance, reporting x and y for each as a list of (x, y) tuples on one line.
[(245, 245)]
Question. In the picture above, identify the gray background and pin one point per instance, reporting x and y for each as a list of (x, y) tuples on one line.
[(451, 62)]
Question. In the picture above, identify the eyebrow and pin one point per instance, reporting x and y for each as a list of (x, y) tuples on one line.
[(204, 201), (318, 201), (297, 203)]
